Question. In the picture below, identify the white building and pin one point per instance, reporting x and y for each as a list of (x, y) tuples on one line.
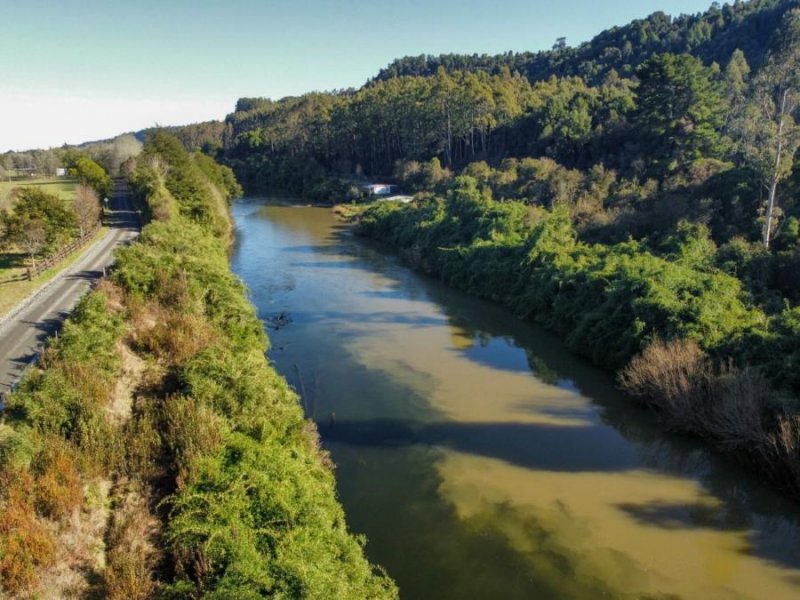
[(378, 189)]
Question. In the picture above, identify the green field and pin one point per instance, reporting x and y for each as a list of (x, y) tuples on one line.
[(62, 186)]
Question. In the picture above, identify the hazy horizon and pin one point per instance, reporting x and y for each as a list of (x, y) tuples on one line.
[(96, 70)]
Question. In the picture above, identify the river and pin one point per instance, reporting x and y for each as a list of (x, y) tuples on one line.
[(478, 456)]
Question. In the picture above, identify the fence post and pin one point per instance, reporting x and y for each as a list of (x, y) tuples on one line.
[(60, 255)]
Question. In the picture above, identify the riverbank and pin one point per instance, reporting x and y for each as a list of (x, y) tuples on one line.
[(153, 451), (611, 303)]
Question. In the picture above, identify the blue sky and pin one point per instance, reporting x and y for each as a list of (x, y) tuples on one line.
[(76, 71)]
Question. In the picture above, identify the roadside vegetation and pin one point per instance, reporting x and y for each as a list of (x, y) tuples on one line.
[(156, 415), (39, 217)]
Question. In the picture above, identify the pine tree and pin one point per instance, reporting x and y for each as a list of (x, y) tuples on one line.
[(681, 108)]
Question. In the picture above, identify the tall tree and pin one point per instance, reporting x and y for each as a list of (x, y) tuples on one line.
[(93, 175), (737, 73), (32, 238), (444, 91), (34, 205), (681, 110), (769, 131)]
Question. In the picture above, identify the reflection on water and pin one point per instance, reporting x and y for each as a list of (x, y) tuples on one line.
[(479, 457)]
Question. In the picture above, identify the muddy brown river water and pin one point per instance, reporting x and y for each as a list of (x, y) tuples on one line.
[(479, 457)]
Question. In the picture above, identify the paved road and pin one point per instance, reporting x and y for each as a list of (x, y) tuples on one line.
[(24, 332)]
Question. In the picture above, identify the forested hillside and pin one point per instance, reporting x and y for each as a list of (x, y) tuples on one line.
[(153, 452), (683, 139), (683, 277), (616, 118)]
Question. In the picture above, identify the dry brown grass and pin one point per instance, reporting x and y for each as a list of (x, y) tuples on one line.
[(132, 552), (179, 337), (669, 376), (85, 378), (80, 552), (115, 296), (172, 291), (723, 402), (735, 407), (142, 444), (51, 526), (171, 336), (133, 367), (142, 317), (26, 542), (58, 490)]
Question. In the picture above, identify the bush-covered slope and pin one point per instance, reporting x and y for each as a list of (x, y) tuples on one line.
[(158, 390), (607, 301), (683, 334)]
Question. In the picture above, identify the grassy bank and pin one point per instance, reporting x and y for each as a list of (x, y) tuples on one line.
[(680, 331), (180, 439)]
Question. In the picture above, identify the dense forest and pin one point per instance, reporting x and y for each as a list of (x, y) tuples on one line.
[(637, 194), (153, 451), (459, 113)]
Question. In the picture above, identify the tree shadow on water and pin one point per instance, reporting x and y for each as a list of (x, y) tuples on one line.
[(541, 447), (775, 540), (584, 449), (495, 550)]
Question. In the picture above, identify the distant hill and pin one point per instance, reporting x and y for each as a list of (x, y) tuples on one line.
[(711, 36)]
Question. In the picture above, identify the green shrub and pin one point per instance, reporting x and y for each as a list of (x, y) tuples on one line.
[(254, 509), (607, 301)]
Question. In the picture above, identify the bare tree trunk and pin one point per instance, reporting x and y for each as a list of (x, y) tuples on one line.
[(767, 232), (773, 187), (449, 140)]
